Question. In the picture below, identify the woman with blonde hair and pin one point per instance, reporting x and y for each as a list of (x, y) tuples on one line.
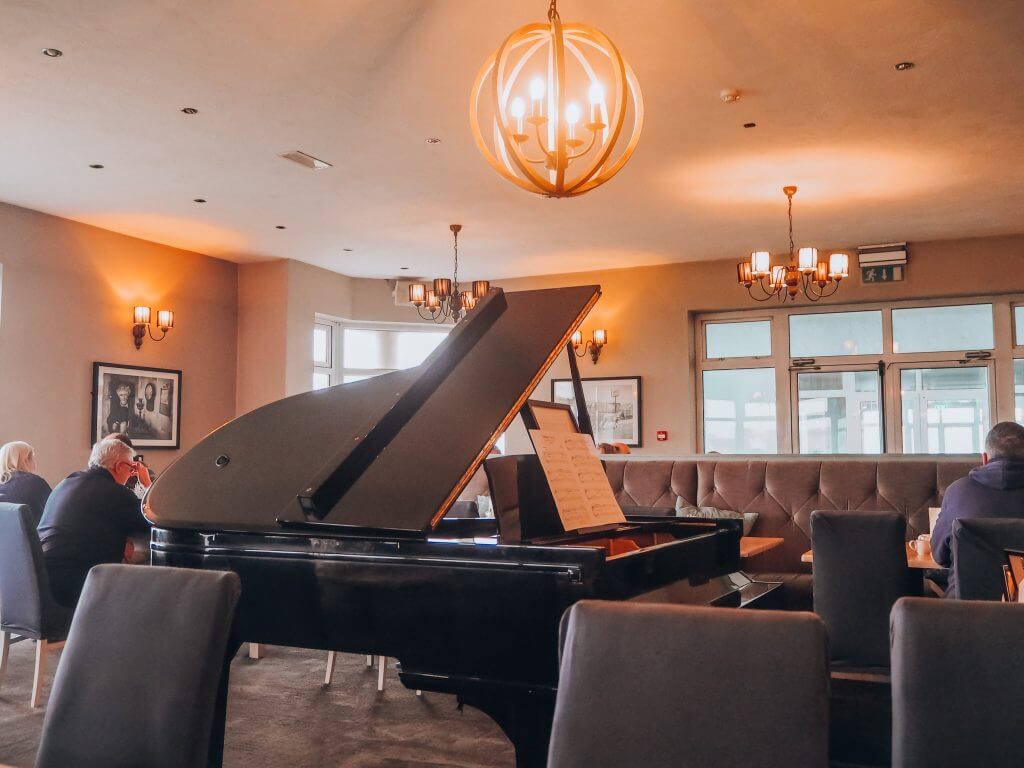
[(19, 483)]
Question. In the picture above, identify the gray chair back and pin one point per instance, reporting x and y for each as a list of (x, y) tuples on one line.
[(978, 555), (27, 607), (957, 673), (671, 686), (138, 680), (860, 570)]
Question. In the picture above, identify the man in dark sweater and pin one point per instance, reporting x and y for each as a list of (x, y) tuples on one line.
[(995, 489), (88, 518)]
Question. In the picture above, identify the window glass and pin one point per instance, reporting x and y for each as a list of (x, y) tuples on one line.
[(838, 412), (942, 329), (321, 379), (835, 333), (1018, 391), (745, 339), (364, 348), (739, 411), (322, 344), (1018, 326), (412, 347), (945, 410)]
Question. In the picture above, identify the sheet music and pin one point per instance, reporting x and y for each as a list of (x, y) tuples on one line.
[(583, 496)]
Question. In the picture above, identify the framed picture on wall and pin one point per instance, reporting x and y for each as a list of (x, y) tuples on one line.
[(614, 404), (144, 403)]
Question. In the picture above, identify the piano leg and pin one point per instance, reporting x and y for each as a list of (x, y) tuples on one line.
[(524, 717)]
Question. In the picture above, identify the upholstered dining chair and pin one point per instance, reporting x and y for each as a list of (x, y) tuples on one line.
[(860, 570), (28, 610), (978, 555), (957, 673), (167, 626), (681, 686)]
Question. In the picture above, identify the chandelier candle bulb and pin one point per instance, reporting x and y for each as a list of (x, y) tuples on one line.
[(517, 108), (839, 266), (808, 260), (417, 294), (537, 89)]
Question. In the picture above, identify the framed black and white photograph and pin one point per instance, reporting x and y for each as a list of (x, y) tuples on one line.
[(614, 406), (144, 403)]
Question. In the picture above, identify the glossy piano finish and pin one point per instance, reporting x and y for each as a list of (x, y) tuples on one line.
[(462, 615)]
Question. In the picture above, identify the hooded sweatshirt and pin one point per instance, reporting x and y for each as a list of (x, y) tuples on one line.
[(993, 490)]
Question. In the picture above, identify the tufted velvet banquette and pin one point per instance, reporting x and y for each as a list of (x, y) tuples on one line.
[(785, 490)]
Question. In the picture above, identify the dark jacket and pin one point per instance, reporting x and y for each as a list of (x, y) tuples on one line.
[(86, 522), (26, 488), (994, 490)]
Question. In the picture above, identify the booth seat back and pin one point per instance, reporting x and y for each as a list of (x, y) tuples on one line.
[(785, 490)]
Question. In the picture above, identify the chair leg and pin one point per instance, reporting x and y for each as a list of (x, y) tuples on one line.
[(330, 667), (382, 662), (40, 673), (255, 651), (5, 647)]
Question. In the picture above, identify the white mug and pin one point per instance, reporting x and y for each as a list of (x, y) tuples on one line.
[(922, 544)]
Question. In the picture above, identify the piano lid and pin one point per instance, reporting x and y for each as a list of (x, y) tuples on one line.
[(390, 453)]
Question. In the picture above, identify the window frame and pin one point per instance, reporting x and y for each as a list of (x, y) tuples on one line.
[(1000, 361), (794, 403)]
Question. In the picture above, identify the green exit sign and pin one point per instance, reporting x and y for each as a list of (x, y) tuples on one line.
[(889, 273)]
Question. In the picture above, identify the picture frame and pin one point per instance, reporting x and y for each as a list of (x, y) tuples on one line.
[(615, 404), (144, 403)]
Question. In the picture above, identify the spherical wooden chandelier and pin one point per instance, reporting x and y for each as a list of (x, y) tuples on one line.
[(553, 67)]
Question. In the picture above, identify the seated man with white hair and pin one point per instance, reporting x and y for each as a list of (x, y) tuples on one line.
[(88, 518)]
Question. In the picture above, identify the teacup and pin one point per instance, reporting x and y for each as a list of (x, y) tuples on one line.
[(922, 545)]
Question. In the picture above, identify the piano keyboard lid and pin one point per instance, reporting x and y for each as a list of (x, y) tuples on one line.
[(388, 454)]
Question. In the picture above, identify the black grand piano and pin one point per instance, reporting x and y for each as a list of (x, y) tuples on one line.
[(331, 507)]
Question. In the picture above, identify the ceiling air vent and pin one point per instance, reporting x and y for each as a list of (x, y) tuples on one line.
[(309, 161)]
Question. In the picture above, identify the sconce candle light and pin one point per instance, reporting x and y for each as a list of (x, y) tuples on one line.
[(593, 345), (141, 324)]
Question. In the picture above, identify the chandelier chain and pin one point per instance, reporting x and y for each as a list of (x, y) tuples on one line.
[(790, 226), (553, 10)]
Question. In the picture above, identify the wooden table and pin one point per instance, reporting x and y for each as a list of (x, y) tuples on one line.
[(755, 545), (914, 560)]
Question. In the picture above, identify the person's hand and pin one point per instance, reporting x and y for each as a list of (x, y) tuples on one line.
[(142, 472)]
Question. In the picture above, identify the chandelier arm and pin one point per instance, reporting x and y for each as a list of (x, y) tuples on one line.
[(766, 295), (590, 146), (548, 156)]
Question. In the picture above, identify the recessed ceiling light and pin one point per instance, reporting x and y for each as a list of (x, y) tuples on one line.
[(53, 53), (198, 200), (347, 250), (403, 267), (903, 66), (97, 166), (190, 110), (750, 125), (280, 226), (433, 140)]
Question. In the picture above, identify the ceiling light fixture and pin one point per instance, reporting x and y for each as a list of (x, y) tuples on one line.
[(53, 53), (347, 250), (198, 200), (190, 110), (446, 301), (750, 125), (280, 226), (526, 114), (96, 166), (903, 66), (804, 271), (432, 140)]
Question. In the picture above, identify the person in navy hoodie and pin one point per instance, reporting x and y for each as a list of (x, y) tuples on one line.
[(19, 483), (995, 489)]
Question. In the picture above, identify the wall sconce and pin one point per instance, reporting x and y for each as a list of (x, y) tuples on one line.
[(594, 345), (142, 324)]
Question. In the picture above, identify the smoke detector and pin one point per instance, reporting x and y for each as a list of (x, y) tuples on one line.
[(729, 95), (300, 157)]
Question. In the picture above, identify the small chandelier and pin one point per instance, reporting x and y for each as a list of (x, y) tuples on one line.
[(556, 148), (804, 272), (445, 301)]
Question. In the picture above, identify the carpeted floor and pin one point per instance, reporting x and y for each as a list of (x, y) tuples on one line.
[(280, 714)]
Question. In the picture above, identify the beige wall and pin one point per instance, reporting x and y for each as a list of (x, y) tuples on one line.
[(68, 293), (262, 334)]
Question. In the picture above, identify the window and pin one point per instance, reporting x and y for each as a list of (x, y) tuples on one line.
[(838, 412), (942, 329), (922, 376), (344, 353), (739, 411), (835, 333), (744, 339), (945, 410)]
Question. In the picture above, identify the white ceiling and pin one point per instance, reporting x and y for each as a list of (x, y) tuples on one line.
[(879, 155)]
